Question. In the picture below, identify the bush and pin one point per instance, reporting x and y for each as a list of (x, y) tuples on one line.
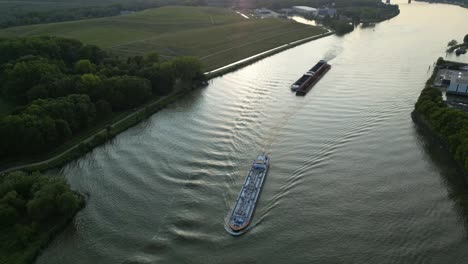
[(452, 43)]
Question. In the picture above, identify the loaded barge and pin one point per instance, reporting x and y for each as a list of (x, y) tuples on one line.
[(310, 78), (242, 213)]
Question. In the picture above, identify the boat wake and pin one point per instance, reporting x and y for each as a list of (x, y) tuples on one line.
[(277, 128)]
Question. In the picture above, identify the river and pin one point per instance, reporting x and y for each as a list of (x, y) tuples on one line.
[(352, 179)]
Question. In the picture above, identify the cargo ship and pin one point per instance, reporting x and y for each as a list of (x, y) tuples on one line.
[(242, 213), (310, 78)]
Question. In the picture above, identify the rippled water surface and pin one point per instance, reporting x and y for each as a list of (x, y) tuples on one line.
[(352, 180)]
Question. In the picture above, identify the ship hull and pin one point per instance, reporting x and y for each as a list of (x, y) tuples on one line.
[(303, 90), (309, 79), (246, 202)]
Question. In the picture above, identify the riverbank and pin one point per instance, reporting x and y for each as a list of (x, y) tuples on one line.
[(104, 134), (244, 62), (447, 125), (35, 249), (454, 47)]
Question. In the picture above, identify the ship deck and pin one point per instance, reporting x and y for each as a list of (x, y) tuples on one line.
[(246, 201)]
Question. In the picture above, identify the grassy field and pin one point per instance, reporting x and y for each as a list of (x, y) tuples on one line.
[(217, 36)]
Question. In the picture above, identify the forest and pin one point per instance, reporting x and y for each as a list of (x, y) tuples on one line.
[(60, 87), (32, 208), (450, 124)]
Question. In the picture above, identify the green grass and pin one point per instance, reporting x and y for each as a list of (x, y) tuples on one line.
[(217, 36)]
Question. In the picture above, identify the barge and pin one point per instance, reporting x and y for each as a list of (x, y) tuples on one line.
[(310, 78), (242, 213)]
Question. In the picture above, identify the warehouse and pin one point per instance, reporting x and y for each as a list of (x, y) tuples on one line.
[(305, 10), (323, 12), (458, 84)]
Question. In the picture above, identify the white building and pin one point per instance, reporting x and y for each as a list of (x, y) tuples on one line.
[(305, 10), (265, 13)]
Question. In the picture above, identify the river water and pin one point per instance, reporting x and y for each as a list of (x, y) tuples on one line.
[(352, 179)]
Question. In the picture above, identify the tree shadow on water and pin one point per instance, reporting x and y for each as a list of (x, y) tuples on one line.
[(449, 170)]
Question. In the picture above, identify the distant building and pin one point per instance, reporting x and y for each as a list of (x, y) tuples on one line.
[(323, 12), (458, 84), (264, 13), (305, 10), (286, 11)]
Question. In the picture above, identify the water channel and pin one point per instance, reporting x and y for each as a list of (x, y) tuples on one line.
[(352, 179)]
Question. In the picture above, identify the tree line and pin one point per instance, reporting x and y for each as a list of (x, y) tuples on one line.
[(30, 208), (87, 10), (62, 87), (451, 124)]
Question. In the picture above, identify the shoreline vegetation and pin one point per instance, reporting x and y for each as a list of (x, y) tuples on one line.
[(61, 89), (453, 44), (447, 125), (33, 209), (460, 3)]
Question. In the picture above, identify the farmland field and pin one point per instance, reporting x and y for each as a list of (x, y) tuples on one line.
[(217, 36)]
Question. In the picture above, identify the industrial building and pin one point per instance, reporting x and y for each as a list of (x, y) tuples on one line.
[(310, 11), (456, 81), (265, 13), (305, 10), (459, 85), (323, 12)]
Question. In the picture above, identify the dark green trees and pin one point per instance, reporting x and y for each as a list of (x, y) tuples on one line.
[(187, 68), (451, 124), (29, 206), (20, 77), (35, 198), (62, 87), (44, 124), (84, 66), (125, 92)]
